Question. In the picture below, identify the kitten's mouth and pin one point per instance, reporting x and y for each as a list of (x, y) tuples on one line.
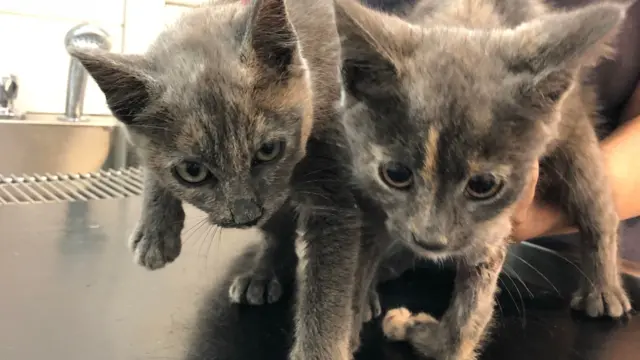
[(230, 224), (430, 247), (233, 225)]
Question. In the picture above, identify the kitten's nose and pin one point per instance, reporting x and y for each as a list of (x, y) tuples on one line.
[(245, 212)]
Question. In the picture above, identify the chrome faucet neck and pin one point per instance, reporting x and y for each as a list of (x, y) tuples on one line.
[(85, 36)]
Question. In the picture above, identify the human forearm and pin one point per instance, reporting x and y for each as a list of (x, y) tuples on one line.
[(620, 151)]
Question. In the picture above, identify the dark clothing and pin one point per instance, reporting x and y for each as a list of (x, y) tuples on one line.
[(617, 78)]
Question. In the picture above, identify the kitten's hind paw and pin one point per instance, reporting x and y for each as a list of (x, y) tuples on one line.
[(602, 301), (255, 288), (153, 250), (397, 321)]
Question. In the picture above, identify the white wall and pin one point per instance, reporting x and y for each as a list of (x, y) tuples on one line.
[(32, 37)]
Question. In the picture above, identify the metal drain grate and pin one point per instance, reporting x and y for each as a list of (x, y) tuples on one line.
[(52, 188)]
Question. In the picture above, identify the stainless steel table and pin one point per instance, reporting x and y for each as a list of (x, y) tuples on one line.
[(70, 291)]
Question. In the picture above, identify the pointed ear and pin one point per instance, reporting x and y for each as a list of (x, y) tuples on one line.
[(270, 37), (370, 44), (122, 78), (551, 48)]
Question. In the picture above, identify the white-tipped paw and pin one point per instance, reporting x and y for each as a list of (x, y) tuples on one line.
[(397, 321), (152, 251), (255, 289), (601, 301)]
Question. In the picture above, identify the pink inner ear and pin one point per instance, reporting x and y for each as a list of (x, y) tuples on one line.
[(245, 2)]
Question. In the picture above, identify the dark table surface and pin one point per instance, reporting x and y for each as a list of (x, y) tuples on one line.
[(69, 290)]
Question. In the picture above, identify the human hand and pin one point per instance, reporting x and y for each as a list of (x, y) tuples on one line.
[(532, 218), (525, 209)]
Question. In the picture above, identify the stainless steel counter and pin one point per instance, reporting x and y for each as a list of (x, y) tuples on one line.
[(70, 291)]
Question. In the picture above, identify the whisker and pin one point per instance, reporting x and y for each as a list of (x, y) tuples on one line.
[(192, 227), (203, 239), (211, 240), (539, 273), (194, 230), (524, 310), (510, 269), (556, 254), (218, 238), (510, 295)]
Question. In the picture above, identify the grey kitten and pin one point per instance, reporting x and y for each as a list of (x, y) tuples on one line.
[(219, 110), (445, 112)]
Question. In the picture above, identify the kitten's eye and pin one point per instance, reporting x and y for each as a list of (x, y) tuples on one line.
[(396, 175), (269, 151), (192, 172), (483, 186)]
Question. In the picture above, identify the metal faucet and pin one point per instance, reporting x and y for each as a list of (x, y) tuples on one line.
[(86, 36), (8, 94)]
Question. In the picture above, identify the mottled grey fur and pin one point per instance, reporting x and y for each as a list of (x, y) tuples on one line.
[(212, 89), (467, 87)]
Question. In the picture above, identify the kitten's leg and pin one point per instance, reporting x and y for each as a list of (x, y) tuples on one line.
[(329, 227), (156, 238), (327, 259), (273, 266), (460, 331), (375, 265), (366, 303), (585, 195)]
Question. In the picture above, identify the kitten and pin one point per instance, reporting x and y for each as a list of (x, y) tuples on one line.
[(219, 111), (445, 112)]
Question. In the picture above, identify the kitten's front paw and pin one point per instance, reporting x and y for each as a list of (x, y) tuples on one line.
[(256, 288), (371, 310), (600, 301), (154, 250), (374, 309), (398, 321)]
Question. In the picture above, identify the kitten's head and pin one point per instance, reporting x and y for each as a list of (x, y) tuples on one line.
[(445, 123), (218, 108)]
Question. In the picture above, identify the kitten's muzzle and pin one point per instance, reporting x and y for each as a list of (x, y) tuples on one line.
[(435, 243), (246, 213)]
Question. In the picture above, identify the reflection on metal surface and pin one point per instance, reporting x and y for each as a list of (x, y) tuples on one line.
[(8, 95), (41, 144), (71, 292), (52, 188), (85, 36)]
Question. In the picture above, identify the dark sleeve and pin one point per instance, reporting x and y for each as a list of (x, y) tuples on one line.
[(616, 79)]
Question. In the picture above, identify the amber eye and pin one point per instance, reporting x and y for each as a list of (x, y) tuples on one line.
[(483, 186), (192, 172), (269, 151), (396, 175)]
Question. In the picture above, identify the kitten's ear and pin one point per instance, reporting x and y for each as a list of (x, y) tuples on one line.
[(122, 78), (371, 42), (270, 37), (552, 47)]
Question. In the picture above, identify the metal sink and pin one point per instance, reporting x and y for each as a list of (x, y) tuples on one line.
[(42, 144)]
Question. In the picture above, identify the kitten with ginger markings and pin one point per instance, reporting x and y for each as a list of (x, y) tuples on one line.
[(219, 111), (445, 111)]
